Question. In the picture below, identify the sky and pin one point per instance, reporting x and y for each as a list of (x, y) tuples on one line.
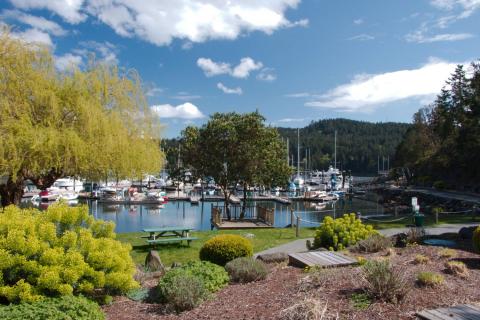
[(293, 61)]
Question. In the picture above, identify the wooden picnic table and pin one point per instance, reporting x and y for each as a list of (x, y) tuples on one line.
[(168, 234)]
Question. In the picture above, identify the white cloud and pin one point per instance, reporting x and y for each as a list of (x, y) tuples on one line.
[(34, 36), (468, 6), (185, 96), (267, 74), (183, 111), (38, 23), (68, 10), (227, 90), (211, 68), (159, 22), (242, 70), (152, 90), (67, 61), (362, 37), (365, 92), (298, 95), (358, 21), (105, 51), (288, 120), (246, 65), (420, 37)]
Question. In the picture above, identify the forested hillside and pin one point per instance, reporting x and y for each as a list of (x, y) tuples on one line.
[(359, 143), (442, 148)]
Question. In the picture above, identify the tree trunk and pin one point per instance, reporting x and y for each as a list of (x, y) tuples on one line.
[(244, 204), (227, 200), (11, 192)]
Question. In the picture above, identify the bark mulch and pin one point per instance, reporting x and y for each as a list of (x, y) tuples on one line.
[(287, 285)]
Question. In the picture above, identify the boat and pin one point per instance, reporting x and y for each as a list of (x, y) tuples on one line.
[(67, 196), (48, 195), (67, 183)]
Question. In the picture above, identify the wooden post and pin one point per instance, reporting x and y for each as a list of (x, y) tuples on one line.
[(396, 211), (297, 230), (436, 216), (291, 218)]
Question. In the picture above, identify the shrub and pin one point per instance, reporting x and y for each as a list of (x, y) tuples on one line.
[(447, 253), (415, 235), (224, 248), (307, 309), (421, 259), (439, 185), (374, 243), (212, 276), (360, 301), (64, 308), (60, 251), (337, 234), (383, 281), (245, 270), (277, 257), (183, 291), (476, 239), (456, 268), (430, 279)]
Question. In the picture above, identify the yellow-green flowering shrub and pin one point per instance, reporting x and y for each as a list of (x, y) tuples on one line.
[(337, 234), (60, 251)]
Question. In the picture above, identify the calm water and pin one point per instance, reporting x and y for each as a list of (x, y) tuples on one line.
[(132, 218)]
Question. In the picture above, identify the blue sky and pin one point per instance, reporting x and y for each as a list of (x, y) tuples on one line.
[(295, 61)]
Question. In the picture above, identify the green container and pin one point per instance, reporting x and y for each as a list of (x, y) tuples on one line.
[(419, 220)]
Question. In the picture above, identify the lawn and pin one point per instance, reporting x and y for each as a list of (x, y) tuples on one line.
[(169, 253)]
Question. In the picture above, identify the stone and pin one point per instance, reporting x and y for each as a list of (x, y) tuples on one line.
[(466, 232), (249, 235), (153, 262), (399, 240)]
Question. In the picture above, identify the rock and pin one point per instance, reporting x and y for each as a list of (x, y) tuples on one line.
[(175, 265), (249, 235), (153, 262), (278, 257), (466, 232)]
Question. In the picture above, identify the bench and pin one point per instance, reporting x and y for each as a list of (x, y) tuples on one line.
[(178, 239)]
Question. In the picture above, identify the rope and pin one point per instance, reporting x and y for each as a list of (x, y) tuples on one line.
[(448, 212), (385, 221)]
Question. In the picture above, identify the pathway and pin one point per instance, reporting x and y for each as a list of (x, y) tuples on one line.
[(299, 245), (454, 195)]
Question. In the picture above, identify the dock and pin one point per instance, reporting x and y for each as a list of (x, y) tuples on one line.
[(245, 224), (320, 258), (460, 312)]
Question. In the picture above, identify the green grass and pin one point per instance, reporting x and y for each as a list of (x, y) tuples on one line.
[(429, 221), (169, 253)]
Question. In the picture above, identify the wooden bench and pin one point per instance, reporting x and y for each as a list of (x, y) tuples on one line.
[(188, 239)]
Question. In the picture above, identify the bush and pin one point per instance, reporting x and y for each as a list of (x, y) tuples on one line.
[(476, 239), (374, 243), (456, 268), (307, 309), (447, 253), (383, 281), (421, 259), (337, 234), (212, 276), (60, 251), (183, 291), (415, 235), (277, 257), (224, 248), (245, 270), (64, 308), (439, 185), (430, 279)]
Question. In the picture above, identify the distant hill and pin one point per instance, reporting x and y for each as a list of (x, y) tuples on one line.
[(359, 143)]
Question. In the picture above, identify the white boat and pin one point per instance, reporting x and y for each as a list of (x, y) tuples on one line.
[(67, 196), (68, 184)]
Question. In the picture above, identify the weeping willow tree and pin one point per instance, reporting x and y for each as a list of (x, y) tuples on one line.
[(91, 124)]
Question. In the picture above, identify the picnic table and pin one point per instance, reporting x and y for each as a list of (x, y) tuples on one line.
[(168, 234)]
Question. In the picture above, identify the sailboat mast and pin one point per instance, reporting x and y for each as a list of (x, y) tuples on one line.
[(335, 149), (288, 152), (298, 152)]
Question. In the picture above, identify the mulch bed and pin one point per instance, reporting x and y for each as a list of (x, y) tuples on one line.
[(287, 285)]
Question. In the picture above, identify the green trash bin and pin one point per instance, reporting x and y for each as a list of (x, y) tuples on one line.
[(419, 220)]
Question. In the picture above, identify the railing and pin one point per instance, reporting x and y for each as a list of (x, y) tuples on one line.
[(266, 215), (251, 213)]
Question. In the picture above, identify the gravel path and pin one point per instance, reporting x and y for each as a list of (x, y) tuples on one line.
[(300, 244)]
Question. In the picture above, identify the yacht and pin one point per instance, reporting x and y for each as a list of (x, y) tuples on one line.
[(68, 183)]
